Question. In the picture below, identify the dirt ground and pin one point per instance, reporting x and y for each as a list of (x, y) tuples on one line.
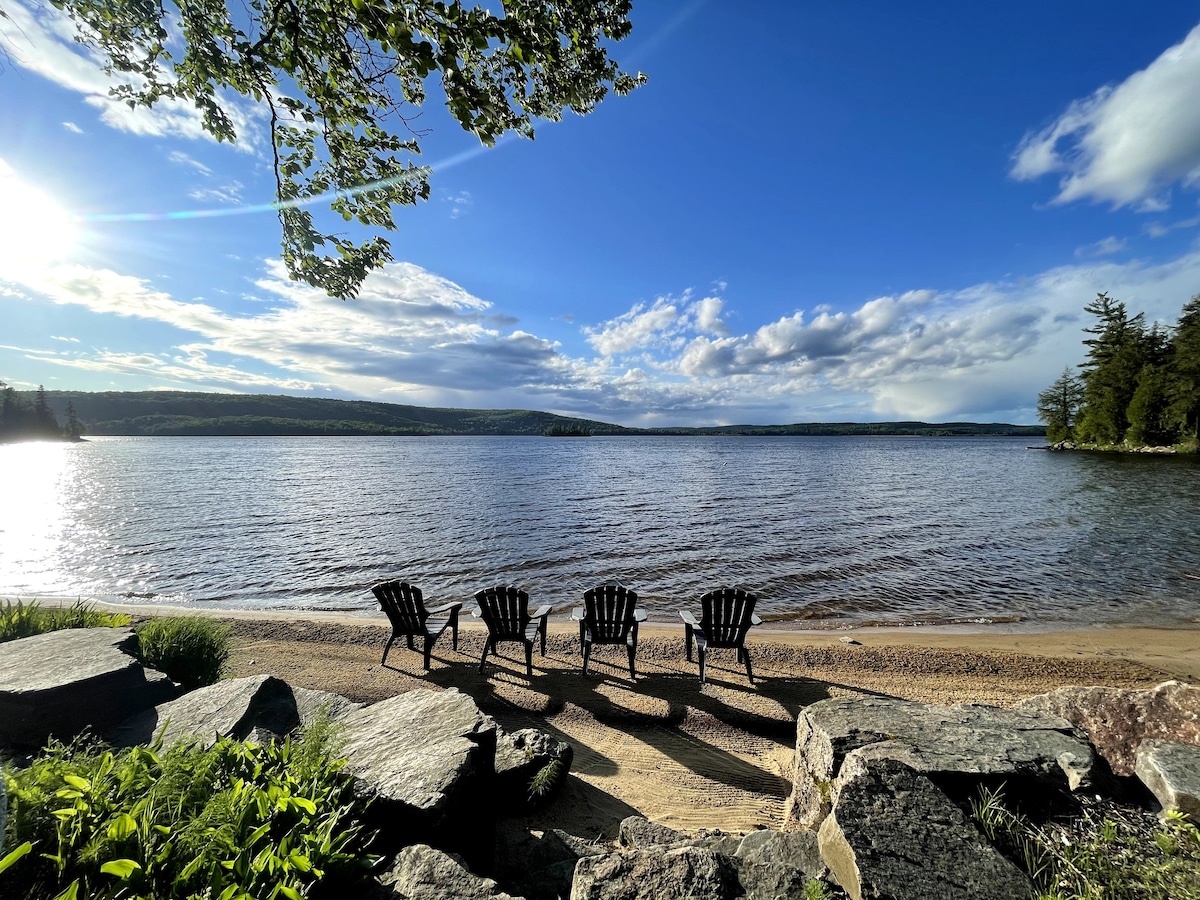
[(717, 756)]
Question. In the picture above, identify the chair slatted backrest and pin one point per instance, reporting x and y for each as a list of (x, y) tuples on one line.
[(505, 611), (404, 605), (725, 616), (608, 611)]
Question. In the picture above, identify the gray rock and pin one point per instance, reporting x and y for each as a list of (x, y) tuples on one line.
[(425, 759), (641, 834), (774, 865), (656, 874), (1172, 773), (969, 739), (542, 868), (422, 873), (521, 756), (1117, 720), (312, 705), (63, 683), (262, 705), (894, 836)]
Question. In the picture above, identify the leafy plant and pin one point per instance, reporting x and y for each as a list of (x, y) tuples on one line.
[(236, 820), (21, 620), (189, 649), (546, 779), (1110, 861)]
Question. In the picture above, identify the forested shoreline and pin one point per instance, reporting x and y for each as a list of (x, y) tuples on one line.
[(1138, 387), (182, 413), (23, 418)]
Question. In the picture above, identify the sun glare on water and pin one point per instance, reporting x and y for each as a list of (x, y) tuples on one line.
[(34, 230)]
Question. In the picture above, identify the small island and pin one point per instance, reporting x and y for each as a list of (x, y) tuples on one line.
[(21, 420), (1137, 391)]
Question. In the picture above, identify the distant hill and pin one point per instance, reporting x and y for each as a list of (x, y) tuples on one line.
[(190, 413)]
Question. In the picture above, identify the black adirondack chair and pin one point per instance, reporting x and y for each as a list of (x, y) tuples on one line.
[(726, 614), (609, 615), (405, 609), (505, 611)]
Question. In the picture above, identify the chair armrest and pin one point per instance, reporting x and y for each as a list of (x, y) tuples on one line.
[(754, 619), (444, 608), (541, 611), (578, 613), (689, 618), (639, 615), (477, 612)]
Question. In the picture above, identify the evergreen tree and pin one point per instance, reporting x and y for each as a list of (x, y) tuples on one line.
[(1117, 353), (1149, 424), (74, 427), (1058, 406), (1184, 388)]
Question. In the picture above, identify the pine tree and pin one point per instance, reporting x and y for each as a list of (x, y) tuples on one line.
[(1149, 424), (1184, 387), (74, 428), (1058, 406), (1117, 353)]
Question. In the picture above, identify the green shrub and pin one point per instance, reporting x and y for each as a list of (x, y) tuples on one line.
[(1111, 862), (236, 820), (21, 620), (189, 649)]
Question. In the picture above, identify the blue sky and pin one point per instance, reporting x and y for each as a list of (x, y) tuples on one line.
[(811, 212)]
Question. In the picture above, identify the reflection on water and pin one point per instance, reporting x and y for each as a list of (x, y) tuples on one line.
[(826, 529)]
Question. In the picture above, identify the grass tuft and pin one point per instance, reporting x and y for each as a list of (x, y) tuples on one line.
[(191, 650), (22, 620)]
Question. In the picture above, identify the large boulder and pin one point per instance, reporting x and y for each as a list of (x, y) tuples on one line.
[(530, 766), (774, 865), (63, 683), (540, 868), (656, 874), (426, 760), (894, 835), (421, 872), (638, 833), (239, 708), (1172, 773), (979, 741), (1117, 720)]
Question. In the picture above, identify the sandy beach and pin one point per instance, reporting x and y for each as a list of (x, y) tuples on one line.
[(717, 756)]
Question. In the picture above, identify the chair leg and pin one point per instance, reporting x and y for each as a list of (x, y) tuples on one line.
[(386, 648), (702, 652), (632, 648), (454, 629), (587, 655), (542, 629), (428, 648), (582, 630), (687, 640), (746, 660), (410, 642), (486, 644), (529, 659)]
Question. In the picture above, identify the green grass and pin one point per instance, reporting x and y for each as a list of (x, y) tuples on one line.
[(190, 650), (21, 620), (236, 820), (1106, 860)]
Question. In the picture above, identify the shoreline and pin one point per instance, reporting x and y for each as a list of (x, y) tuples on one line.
[(663, 746)]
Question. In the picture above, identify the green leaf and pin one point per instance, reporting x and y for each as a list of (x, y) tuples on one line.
[(71, 893), (122, 868), (77, 782), (122, 827), (11, 858)]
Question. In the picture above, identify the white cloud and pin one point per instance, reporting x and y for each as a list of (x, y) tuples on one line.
[(182, 159), (72, 127), (459, 203), (40, 39), (229, 194), (1128, 144), (982, 352), (1103, 247)]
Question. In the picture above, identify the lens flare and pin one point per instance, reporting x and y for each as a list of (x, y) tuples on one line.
[(35, 232)]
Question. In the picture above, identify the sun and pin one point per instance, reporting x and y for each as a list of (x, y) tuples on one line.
[(35, 231)]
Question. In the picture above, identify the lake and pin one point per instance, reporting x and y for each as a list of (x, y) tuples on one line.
[(829, 530)]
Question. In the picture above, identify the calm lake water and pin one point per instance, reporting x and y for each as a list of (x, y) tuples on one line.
[(834, 531)]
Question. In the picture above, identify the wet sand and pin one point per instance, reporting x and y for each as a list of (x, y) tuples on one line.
[(717, 756)]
